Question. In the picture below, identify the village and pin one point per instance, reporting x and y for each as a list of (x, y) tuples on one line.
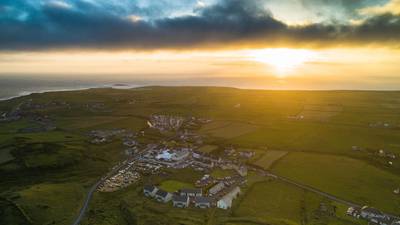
[(154, 157), (372, 215), (183, 152)]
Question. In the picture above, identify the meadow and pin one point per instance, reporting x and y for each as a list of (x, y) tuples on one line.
[(40, 170), (344, 177)]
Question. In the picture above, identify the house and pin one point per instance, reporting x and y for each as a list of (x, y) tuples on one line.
[(226, 201), (381, 221), (180, 201), (242, 171), (216, 188), (163, 196), (180, 155), (354, 212), (191, 192), (369, 212), (202, 202), (150, 190)]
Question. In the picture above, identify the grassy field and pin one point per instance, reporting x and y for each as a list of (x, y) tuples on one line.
[(269, 158), (5, 155), (344, 177), (319, 152), (274, 202), (51, 203), (220, 173), (227, 129), (174, 185), (208, 148)]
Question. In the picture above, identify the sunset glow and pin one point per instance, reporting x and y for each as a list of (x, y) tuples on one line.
[(283, 60)]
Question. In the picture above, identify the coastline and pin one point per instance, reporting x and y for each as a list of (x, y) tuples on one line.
[(27, 93)]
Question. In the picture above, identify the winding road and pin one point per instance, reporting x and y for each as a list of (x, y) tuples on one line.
[(93, 189), (86, 203)]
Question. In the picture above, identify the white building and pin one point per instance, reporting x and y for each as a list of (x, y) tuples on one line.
[(226, 201)]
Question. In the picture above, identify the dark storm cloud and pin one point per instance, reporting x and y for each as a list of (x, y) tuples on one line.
[(83, 24)]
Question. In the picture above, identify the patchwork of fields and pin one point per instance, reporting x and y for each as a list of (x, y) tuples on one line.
[(344, 177), (49, 185)]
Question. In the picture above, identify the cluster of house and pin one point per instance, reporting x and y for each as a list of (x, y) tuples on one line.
[(174, 123), (381, 124), (192, 197), (104, 136), (165, 122), (372, 215), (125, 176)]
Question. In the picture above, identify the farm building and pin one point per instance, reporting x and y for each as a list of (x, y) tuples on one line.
[(163, 196), (150, 190), (226, 201), (180, 201), (202, 202), (216, 188), (191, 192)]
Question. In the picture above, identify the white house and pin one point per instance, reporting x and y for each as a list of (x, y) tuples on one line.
[(150, 190), (226, 201)]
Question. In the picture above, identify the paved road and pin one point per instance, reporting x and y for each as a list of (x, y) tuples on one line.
[(86, 204), (92, 190)]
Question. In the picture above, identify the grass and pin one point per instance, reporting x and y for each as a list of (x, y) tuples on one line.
[(174, 185), (344, 177), (340, 120), (274, 202), (269, 158), (220, 173), (208, 148), (52, 203), (227, 129), (5, 155)]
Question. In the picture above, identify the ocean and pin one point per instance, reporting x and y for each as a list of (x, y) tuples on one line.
[(13, 87)]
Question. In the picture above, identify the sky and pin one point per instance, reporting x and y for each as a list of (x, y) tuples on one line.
[(277, 44)]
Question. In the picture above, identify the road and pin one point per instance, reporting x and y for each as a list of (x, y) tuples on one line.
[(86, 203), (92, 190)]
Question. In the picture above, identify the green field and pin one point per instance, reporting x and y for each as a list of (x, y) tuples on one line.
[(227, 129), (269, 158), (274, 202), (41, 170), (174, 185), (344, 177), (208, 148), (51, 203)]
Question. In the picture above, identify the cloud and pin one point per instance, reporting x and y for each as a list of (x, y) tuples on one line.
[(392, 7), (86, 24)]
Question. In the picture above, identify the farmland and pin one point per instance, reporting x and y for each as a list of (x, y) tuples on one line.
[(269, 158), (344, 177), (334, 148)]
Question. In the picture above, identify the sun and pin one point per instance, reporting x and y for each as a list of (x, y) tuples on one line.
[(284, 60)]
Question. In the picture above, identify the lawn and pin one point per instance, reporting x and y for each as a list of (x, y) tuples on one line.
[(269, 158), (344, 177), (174, 185)]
